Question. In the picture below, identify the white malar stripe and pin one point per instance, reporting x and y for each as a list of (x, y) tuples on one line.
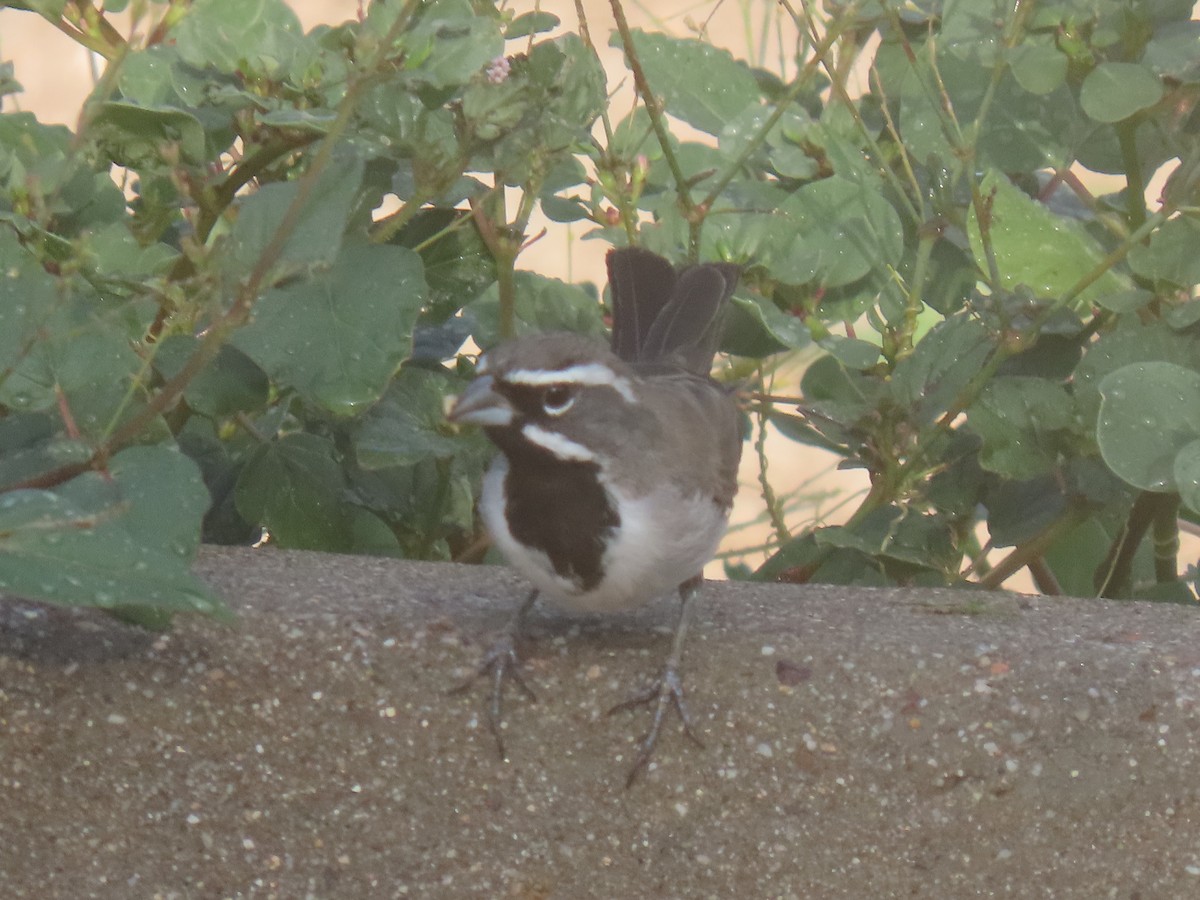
[(563, 448), (588, 373)]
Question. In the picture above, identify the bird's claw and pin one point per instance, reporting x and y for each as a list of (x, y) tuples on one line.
[(502, 663), (664, 693)]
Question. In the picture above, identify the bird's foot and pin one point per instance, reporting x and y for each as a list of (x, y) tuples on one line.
[(501, 663), (666, 692)]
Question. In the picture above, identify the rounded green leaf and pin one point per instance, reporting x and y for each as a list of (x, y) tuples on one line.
[(1115, 91), (531, 23), (1187, 475), (1038, 68), (1149, 412)]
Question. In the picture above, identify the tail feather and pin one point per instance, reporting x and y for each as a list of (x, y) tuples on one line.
[(661, 317), (642, 284)]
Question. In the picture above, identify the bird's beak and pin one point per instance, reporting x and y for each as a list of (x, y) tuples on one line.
[(481, 404)]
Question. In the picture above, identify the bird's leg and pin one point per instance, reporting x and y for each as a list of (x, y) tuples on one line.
[(502, 662), (667, 690)]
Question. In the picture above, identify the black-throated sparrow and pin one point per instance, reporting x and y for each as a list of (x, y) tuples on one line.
[(617, 468)]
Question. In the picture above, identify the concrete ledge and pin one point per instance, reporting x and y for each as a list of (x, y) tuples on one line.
[(857, 744)]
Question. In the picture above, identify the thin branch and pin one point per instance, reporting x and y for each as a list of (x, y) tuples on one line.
[(655, 112), (173, 388)]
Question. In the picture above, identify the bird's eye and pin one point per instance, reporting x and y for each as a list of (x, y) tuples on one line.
[(557, 399)]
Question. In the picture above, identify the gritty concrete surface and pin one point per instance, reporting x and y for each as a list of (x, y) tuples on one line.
[(858, 743)]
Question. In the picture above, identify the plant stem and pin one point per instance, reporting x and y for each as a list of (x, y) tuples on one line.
[(247, 293), (691, 212), (1027, 553), (770, 499)]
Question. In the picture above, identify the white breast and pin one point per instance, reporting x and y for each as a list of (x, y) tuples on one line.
[(664, 539)]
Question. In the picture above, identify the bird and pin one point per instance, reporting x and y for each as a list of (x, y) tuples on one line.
[(616, 467)]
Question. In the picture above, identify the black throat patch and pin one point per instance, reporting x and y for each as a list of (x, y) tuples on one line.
[(559, 507)]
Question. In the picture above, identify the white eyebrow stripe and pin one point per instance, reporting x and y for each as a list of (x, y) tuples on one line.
[(562, 447), (586, 373)]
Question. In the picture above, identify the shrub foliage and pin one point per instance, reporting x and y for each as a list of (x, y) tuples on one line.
[(235, 298)]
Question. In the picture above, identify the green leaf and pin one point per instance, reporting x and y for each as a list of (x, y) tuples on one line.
[(834, 231), (28, 298), (570, 88), (1115, 90), (564, 209), (316, 236), (542, 304), (1021, 421), (408, 424), (457, 263), (111, 542), (1132, 342), (229, 384), (1187, 474), (450, 42), (1182, 314), (971, 30), (697, 82), (903, 535), (531, 23), (1021, 130), (112, 252), (49, 9), (247, 37), (30, 444), (941, 366), (1017, 510), (294, 488), (1172, 52), (545, 106), (850, 352), (1165, 592), (370, 535), (789, 331), (1038, 67), (338, 336), (66, 349), (1126, 301), (839, 403), (142, 137), (1075, 556), (155, 77), (1048, 254), (1171, 255), (29, 151), (1148, 413)]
